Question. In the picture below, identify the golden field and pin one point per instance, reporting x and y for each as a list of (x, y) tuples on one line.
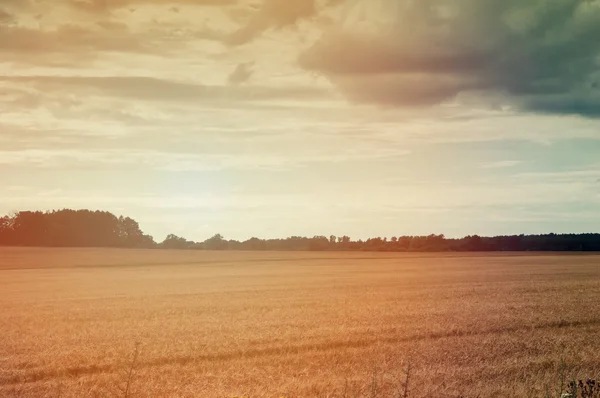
[(267, 324)]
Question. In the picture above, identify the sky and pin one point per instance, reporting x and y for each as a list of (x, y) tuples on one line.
[(275, 118)]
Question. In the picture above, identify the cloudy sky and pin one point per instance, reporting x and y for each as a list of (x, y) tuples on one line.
[(273, 118)]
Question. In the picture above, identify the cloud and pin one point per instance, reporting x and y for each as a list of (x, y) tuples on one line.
[(150, 26), (109, 5), (543, 55), (16, 4), (502, 164), (69, 39), (574, 102), (277, 14), (155, 159), (579, 175), (155, 89), (5, 17), (76, 30), (241, 74)]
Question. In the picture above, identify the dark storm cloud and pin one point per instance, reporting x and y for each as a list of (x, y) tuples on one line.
[(581, 104), (544, 54)]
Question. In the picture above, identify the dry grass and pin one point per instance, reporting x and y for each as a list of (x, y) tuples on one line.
[(294, 324)]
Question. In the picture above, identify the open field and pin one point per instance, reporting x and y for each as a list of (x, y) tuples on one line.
[(262, 324)]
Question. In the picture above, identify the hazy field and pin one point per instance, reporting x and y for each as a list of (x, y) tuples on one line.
[(293, 324)]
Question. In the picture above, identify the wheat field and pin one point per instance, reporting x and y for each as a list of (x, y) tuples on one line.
[(151, 323)]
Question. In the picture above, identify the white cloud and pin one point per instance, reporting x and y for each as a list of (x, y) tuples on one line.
[(502, 164)]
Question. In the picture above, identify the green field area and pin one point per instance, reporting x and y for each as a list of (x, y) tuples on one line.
[(272, 324)]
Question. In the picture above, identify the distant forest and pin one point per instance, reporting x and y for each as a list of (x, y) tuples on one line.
[(85, 228)]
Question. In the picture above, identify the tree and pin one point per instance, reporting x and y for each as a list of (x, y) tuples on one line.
[(173, 241), (318, 243), (5, 230), (130, 234), (73, 228), (217, 242), (254, 244)]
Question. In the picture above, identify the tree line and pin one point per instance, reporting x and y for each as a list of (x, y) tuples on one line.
[(85, 228), (71, 228)]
